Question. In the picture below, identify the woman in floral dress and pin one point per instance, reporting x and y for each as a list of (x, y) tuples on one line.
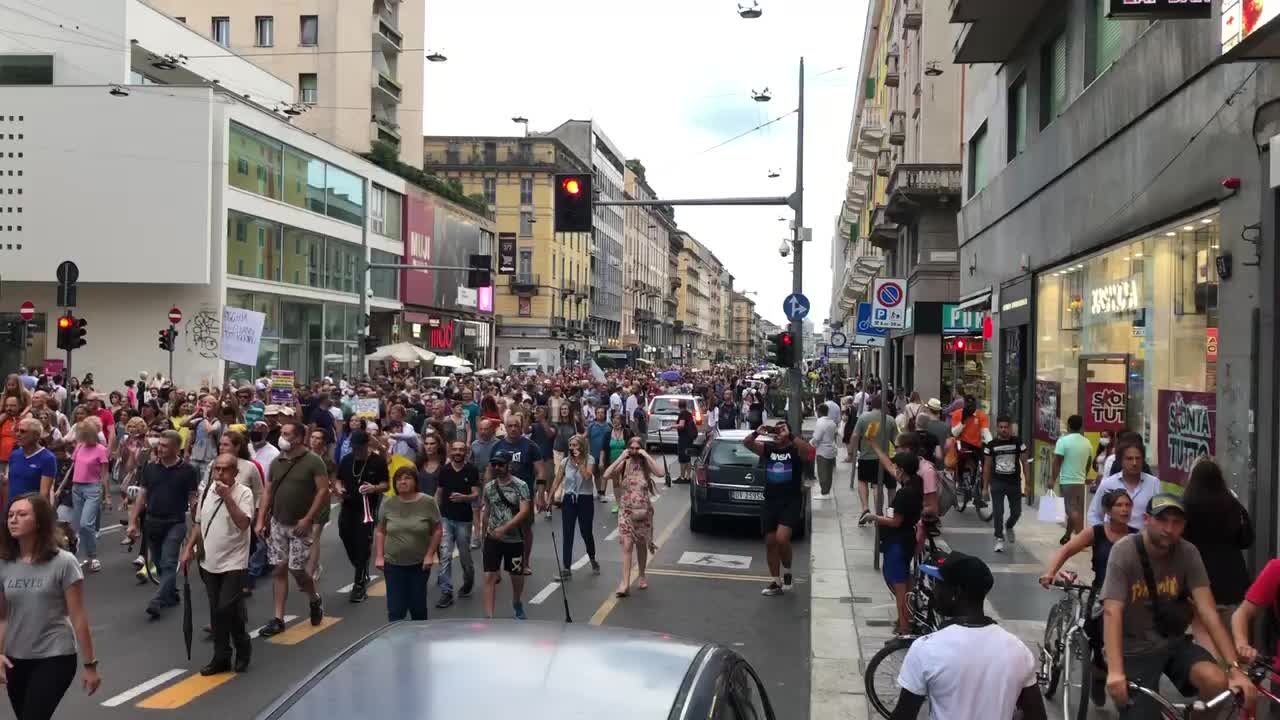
[(635, 516)]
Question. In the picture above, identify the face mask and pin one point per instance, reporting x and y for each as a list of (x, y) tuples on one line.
[(257, 436), (285, 445), (1103, 442), (152, 442)]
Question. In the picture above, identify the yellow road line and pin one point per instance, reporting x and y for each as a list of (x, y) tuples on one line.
[(610, 602), (181, 693), (303, 630), (710, 576), (378, 589)]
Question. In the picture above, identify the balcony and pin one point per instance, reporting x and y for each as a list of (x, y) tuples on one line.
[(674, 282), (386, 89), (916, 187), (884, 232), (898, 127), (385, 35), (568, 288), (891, 75), (522, 154), (870, 130), (646, 316), (994, 29), (670, 302), (912, 17), (863, 167), (559, 323), (525, 283), (884, 162)]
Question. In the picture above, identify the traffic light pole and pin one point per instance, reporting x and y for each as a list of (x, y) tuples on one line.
[(796, 415), (173, 333)]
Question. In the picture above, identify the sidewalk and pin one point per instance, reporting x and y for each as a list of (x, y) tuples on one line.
[(852, 612)]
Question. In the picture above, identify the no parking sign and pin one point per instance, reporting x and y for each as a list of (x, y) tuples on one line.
[(889, 303)]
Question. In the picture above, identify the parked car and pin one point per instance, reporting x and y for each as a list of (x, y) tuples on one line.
[(663, 411), (728, 481), (402, 670)]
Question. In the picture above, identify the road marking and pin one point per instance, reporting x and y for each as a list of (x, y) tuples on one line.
[(302, 631), (181, 693), (254, 635), (610, 602), (347, 588), (378, 590), (582, 562), (544, 593), (704, 559), (710, 576), (141, 688)]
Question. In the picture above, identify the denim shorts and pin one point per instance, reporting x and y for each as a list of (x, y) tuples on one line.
[(897, 563)]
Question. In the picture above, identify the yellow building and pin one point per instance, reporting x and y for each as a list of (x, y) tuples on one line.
[(742, 344), (544, 303), (694, 309)]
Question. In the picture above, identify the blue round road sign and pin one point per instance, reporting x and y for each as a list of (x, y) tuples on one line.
[(889, 295), (796, 306)]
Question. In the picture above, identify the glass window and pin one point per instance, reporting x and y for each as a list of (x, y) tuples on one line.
[(257, 257), (385, 283), (1053, 78), (338, 324), (303, 180), (391, 215), (344, 195), (730, 452), (269, 306), (526, 263), (254, 162), (221, 31), (264, 31), (490, 186), (341, 261), (1017, 117), (309, 30), (377, 214), (1106, 37), (978, 160), (303, 258), (526, 224), (308, 90), (526, 191)]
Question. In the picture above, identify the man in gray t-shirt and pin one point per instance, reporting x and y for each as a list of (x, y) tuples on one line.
[(35, 596)]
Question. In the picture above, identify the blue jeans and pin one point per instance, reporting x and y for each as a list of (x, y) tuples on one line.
[(165, 543), (579, 510), (457, 534), (86, 501), (406, 591)]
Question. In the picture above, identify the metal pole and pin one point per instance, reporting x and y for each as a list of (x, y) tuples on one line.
[(695, 201), (797, 269), (363, 330), (67, 373), (173, 333)]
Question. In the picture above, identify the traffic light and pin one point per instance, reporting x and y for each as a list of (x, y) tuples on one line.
[(480, 270), (166, 339), (65, 325), (573, 203), (370, 344), (782, 350), (79, 332)]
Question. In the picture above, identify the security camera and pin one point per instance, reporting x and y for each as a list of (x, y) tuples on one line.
[(784, 249)]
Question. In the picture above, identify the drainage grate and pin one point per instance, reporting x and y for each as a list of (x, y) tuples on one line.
[(861, 599), (880, 623)]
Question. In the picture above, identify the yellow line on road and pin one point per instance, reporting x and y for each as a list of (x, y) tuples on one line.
[(303, 630), (181, 693), (709, 576), (378, 589), (610, 602)]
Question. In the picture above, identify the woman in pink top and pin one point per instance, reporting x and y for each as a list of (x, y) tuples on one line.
[(90, 466)]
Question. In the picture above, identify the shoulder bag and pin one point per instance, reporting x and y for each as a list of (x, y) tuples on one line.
[(1171, 617)]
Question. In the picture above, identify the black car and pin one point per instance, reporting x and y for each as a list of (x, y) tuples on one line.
[(728, 480), (481, 670)]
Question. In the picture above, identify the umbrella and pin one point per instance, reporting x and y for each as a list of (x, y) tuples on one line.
[(670, 375), (487, 372), (187, 626), (462, 370), (451, 361), (404, 352)]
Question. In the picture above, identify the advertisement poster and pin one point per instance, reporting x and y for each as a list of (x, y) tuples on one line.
[(1186, 431), (1104, 406), (282, 387), (241, 335), (1047, 423), (53, 366), (506, 253), (419, 223)]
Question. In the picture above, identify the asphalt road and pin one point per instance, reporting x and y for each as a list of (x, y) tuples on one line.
[(694, 592)]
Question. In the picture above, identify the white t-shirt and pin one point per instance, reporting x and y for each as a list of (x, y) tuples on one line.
[(226, 546), (968, 672)]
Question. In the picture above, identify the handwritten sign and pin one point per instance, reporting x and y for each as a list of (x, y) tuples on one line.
[(1186, 422), (241, 334), (366, 408), (282, 382), (1104, 406), (1047, 416)]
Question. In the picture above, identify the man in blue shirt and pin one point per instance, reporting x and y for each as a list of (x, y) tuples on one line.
[(32, 468), (597, 436), (526, 465)]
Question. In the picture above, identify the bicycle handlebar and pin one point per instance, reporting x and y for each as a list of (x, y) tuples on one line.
[(1175, 708)]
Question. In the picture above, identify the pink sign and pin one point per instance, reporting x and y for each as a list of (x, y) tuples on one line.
[(1186, 426), (484, 301), (53, 367), (1104, 406), (417, 285)]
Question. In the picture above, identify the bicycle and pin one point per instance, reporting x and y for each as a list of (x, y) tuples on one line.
[(968, 481), (881, 675), (1066, 644), (1182, 711), (1261, 669)]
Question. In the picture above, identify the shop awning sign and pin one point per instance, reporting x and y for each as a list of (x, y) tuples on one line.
[(956, 321)]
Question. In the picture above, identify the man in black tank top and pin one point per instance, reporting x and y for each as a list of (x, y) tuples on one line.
[(782, 457)]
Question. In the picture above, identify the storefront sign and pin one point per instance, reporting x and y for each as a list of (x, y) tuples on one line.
[(1104, 406), (1186, 426), (441, 338), (1117, 297), (1048, 394), (956, 321), (1161, 9), (506, 253), (484, 302), (1211, 345), (1240, 18)]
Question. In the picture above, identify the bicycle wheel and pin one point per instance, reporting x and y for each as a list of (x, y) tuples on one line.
[(1051, 649), (962, 491), (881, 676), (1077, 676)]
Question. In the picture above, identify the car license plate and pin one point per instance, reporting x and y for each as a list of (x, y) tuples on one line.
[(752, 496)]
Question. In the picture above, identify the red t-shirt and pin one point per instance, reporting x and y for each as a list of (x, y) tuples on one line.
[(1263, 593), (107, 419)]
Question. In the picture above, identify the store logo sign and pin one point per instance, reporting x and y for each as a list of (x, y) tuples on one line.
[(1115, 298)]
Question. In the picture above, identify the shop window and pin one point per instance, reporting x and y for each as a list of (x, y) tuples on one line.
[(1105, 39), (1053, 78), (1195, 289)]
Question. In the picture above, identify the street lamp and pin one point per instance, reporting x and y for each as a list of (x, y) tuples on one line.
[(522, 120), (436, 57), (761, 96), (750, 12)]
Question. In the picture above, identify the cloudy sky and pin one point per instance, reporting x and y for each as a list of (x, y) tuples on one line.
[(667, 80)]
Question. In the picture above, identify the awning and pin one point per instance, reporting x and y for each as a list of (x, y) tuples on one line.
[(981, 298), (416, 317)]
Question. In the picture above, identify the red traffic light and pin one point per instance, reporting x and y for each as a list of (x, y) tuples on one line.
[(786, 338), (960, 345), (64, 322), (572, 186)]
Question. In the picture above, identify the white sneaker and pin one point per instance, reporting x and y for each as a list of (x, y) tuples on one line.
[(999, 545), (95, 566), (787, 582), (138, 561)]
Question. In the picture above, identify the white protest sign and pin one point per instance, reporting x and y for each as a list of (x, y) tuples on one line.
[(241, 334)]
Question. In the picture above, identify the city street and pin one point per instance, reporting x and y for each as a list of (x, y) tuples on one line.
[(701, 586)]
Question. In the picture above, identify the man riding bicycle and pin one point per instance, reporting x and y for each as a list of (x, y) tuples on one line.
[(1155, 582), (972, 430)]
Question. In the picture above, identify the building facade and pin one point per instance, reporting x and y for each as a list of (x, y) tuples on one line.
[(1098, 232), (744, 329), (644, 267), (608, 247), (674, 324), (544, 278), (356, 66)]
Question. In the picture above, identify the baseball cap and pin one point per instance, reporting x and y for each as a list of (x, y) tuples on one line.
[(501, 456), (1165, 501), (962, 571)]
